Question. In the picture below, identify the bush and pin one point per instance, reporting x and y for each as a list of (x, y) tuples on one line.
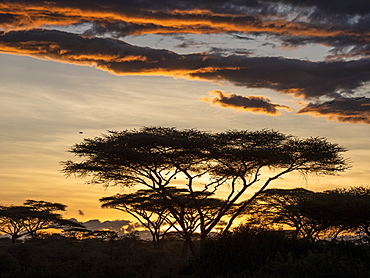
[(260, 253)]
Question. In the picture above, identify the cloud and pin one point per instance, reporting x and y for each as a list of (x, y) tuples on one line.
[(291, 76), (343, 26), (343, 47), (122, 18), (113, 225), (346, 110), (254, 104)]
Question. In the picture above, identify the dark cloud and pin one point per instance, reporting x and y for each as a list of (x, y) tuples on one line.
[(255, 104), (229, 6), (121, 18), (340, 24), (346, 110), (291, 76), (230, 51), (342, 46), (300, 78)]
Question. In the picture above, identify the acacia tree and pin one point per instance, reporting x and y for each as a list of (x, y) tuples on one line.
[(346, 208), (232, 161), (314, 214), (297, 208), (33, 216), (11, 221), (149, 208)]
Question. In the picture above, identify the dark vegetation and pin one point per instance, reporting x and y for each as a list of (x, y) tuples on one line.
[(251, 252), (62, 257), (286, 232), (246, 252)]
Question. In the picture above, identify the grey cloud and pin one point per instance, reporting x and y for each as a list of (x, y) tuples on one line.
[(230, 6), (291, 76), (255, 104), (349, 110), (341, 24), (343, 46), (114, 225)]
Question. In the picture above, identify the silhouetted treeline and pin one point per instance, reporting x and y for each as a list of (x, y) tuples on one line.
[(259, 253), (246, 252), (61, 257)]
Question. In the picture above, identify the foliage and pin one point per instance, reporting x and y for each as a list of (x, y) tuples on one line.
[(259, 253), (287, 208), (346, 208), (232, 161), (33, 216), (60, 257), (313, 215), (245, 252), (149, 208)]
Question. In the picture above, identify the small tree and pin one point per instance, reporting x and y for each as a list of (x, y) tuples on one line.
[(11, 221), (232, 161), (149, 208), (33, 216), (294, 208), (348, 209), (314, 214)]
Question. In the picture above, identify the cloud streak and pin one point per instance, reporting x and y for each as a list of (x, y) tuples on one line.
[(313, 20), (345, 110), (291, 76), (255, 104)]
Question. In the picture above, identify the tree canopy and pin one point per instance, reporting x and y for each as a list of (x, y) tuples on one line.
[(231, 161), (149, 208), (31, 217), (311, 214)]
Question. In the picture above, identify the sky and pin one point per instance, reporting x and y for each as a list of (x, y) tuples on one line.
[(71, 70)]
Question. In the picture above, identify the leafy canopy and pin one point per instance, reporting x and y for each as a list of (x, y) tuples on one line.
[(208, 162)]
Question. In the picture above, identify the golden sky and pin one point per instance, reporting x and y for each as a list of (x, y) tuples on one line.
[(68, 67)]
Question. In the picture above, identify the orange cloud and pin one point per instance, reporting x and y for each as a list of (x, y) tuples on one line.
[(254, 104), (37, 14), (291, 76), (345, 110)]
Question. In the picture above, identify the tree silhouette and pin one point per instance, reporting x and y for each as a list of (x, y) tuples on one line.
[(33, 216), (230, 161), (347, 209), (149, 208), (313, 215), (296, 208)]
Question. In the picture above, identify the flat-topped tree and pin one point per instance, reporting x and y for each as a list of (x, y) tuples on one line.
[(232, 161), (148, 207), (346, 208), (31, 217), (287, 207), (152, 211)]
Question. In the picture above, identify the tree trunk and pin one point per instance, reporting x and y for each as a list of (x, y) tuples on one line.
[(189, 244)]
